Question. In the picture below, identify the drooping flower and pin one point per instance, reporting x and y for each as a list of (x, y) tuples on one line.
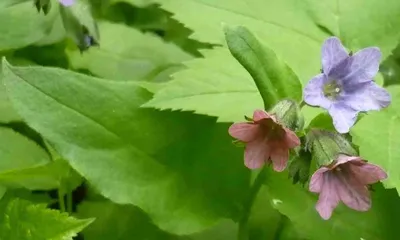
[(346, 87), (67, 3), (345, 180), (266, 141)]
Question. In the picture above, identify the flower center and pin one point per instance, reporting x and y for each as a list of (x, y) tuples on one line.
[(332, 90), (272, 130)]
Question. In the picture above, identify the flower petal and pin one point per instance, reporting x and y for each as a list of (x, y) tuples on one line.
[(343, 117), (332, 53), (314, 92), (279, 158), (259, 115), (291, 139), (352, 192), (244, 132), (256, 153), (328, 198), (343, 158), (368, 173), (366, 96), (67, 3), (317, 180), (361, 67)]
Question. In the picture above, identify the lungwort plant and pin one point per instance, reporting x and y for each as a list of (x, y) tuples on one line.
[(199, 119)]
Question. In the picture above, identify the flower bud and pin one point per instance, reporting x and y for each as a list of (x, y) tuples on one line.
[(288, 113), (325, 146)]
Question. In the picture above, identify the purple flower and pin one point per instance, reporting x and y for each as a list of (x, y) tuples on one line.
[(67, 3), (266, 141), (345, 87), (346, 180)]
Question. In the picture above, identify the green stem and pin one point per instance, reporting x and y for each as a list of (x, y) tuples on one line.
[(69, 202), (61, 201), (255, 188), (302, 104)]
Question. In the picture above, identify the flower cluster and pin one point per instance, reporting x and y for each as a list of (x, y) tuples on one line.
[(344, 88)]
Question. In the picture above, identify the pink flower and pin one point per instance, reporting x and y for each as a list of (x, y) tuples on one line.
[(347, 179), (266, 140)]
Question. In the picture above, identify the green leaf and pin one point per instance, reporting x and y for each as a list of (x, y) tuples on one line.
[(22, 220), (225, 229), (129, 154), (310, 113), (295, 29), (57, 174), (7, 112), (264, 221), (118, 222), (131, 56), (18, 168), (211, 88), (299, 206), (274, 79), (22, 25), (376, 135)]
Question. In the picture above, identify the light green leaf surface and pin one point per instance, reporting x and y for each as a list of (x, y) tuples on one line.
[(295, 29), (19, 157), (54, 175), (217, 85), (22, 25), (376, 135), (22, 220), (132, 55), (7, 112), (298, 205), (124, 151)]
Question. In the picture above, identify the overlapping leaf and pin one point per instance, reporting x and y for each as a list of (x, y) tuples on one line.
[(295, 30), (22, 25), (173, 166), (217, 85), (376, 135), (19, 156)]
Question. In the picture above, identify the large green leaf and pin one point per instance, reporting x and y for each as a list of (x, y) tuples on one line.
[(118, 222), (376, 134), (295, 29), (22, 25), (22, 220), (132, 155), (217, 85), (132, 55), (379, 223)]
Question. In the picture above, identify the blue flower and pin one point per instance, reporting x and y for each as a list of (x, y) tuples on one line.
[(67, 3), (345, 86)]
